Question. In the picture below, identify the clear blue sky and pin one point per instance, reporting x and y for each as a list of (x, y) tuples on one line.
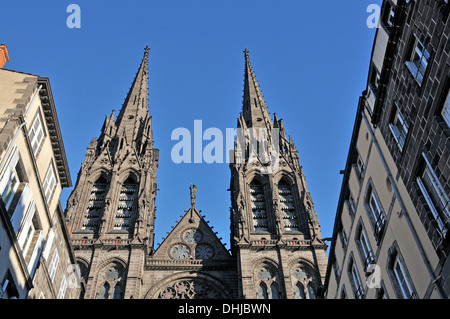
[(311, 59)]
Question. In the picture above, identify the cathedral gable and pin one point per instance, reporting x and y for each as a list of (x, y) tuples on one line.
[(192, 239)]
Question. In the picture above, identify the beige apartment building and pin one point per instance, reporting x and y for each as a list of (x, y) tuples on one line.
[(36, 257), (390, 238)]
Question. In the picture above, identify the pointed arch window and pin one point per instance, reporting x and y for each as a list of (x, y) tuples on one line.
[(268, 287), (94, 210), (288, 212), (258, 202), (305, 287), (114, 277), (262, 291), (125, 205), (299, 291), (104, 291)]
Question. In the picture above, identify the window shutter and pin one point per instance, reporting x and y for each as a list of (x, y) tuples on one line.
[(48, 246)]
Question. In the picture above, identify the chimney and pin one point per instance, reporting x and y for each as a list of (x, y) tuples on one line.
[(4, 57)]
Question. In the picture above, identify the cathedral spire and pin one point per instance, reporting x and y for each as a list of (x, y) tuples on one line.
[(254, 107), (135, 105)]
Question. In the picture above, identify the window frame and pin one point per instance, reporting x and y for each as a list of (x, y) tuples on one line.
[(50, 182), (364, 247), (33, 134), (378, 218), (398, 127), (389, 15), (415, 65), (443, 110), (442, 216), (355, 279), (52, 268), (263, 228)]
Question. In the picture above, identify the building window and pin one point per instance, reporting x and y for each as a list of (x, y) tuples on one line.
[(289, 215), (350, 203), (53, 265), (376, 213), (389, 15), (299, 291), (114, 277), (375, 78), (36, 134), (125, 206), (267, 287), (305, 283), (364, 248), (49, 183), (359, 168), (62, 288), (94, 211), (104, 291), (398, 127), (8, 289), (355, 279), (434, 194), (258, 202), (446, 109), (402, 283), (11, 177), (343, 236), (11, 188), (337, 271), (418, 60)]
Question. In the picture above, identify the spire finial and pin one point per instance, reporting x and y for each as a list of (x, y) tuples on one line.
[(147, 49), (193, 190)]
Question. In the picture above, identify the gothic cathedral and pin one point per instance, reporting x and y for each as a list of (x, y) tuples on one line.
[(277, 250)]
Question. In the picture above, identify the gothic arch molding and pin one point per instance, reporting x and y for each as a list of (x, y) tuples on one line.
[(268, 279), (105, 262), (111, 279), (129, 172), (304, 278), (95, 173), (186, 285), (287, 175), (255, 174)]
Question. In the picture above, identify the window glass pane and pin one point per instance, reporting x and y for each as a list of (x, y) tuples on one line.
[(104, 292), (299, 293), (262, 291), (10, 189), (311, 292), (402, 280), (49, 183), (446, 109), (36, 134), (273, 292), (435, 191), (117, 292)]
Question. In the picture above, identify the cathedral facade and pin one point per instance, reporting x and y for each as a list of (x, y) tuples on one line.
[(277, 250)]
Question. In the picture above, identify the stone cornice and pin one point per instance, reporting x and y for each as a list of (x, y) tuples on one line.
[(51, 119)]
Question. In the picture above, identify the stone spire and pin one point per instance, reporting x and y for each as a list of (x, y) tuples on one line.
[(254, 109), (135, 106)]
